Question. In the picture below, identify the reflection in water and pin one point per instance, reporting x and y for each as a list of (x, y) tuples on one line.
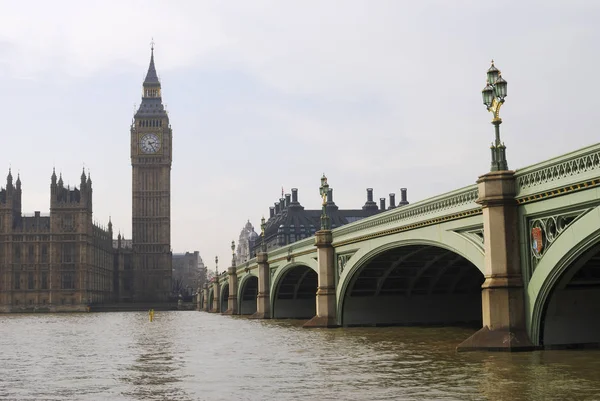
[(192, 355), (155, 372)]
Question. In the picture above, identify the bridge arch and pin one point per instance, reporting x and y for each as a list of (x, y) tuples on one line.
[(294, 291), (564, 289), (224, 294), (248, 290), (413, 281)]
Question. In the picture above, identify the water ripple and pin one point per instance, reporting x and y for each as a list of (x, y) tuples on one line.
[(199, 356)]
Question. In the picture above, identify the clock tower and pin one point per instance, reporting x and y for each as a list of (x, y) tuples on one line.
[(151, 156)]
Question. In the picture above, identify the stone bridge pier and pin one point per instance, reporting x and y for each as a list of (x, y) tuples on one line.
[(263, 299), (204, 304), (232, 299), (216, 305), (326, 297), (503, 304)]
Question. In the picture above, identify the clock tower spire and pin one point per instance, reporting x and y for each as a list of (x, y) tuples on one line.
[(151, 156)]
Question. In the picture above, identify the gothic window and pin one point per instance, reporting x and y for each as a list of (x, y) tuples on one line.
[(17, 253), (68, 253), (68, 281), (17, 281), (44, 283), (44, 253), (31, 254), (30, 281), (68, 222)]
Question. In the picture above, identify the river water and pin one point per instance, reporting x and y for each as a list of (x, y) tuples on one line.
[(201, 356)]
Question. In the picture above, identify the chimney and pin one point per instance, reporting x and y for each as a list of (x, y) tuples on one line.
[(277, 208), (392, 201), (282, 204), (271, 212), (294, 195), (369, 204), (382, 204), (331, 206), (403, 200), (287, 200)]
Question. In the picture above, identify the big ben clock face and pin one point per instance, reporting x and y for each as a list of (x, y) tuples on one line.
[(150, 143)]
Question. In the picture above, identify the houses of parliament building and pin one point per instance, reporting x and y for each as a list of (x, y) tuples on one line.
[(64, 261)]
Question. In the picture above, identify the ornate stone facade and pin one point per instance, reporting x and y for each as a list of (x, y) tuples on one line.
[(57, 262), (151, 155), (246, 242)]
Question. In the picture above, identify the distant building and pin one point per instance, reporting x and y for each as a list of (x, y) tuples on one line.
[(289, 222), (246, 242), (188, 273)]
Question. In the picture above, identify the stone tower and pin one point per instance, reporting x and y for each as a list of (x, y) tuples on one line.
[(151, 156)]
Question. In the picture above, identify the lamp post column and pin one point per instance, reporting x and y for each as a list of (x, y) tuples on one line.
[(205, 306), (216, 307), (326, 305), (232, 303), (263, 298), (503, 304)]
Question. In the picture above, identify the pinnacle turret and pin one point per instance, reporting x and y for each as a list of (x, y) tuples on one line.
[(151, 76), (151, 105)]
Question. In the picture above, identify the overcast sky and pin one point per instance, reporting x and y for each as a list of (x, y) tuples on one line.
[(265, 94)]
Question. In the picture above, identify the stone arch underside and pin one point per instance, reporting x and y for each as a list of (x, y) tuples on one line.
[(247, 295), (571, 315), (295, 294), (417, 284), (224, 297)]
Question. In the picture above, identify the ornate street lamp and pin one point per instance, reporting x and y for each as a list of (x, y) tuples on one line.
[(217, 268), (323, 191), (493, 98), (232, 253), (263, 225)]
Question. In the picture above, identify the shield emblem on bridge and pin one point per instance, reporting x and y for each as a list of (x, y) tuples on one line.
[(537, 240)]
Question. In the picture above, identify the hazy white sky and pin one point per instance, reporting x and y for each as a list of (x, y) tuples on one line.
[(265, 94)]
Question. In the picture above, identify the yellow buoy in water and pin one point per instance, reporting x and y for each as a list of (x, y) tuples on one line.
[(151, 314)]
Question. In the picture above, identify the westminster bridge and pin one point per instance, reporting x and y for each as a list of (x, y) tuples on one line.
[(517, 254)]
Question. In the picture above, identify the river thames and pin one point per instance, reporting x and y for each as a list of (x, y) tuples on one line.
[(200, 356)]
